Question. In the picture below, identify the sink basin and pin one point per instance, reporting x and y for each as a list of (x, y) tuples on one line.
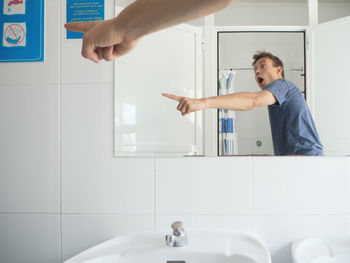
[(322, 249), (203, 247)]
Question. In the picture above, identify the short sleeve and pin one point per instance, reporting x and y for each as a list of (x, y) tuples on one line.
[(279, 89)]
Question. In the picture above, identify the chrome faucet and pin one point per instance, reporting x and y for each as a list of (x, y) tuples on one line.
[(179, 236)]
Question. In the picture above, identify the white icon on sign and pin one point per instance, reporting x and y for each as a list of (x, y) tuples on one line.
[(14, 35), (14, 7)]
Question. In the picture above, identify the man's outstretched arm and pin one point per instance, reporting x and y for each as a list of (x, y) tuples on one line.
[(112, 38), (147, 16), (241, 101)]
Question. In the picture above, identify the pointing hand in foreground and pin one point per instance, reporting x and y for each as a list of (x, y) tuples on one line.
[(102, 40)]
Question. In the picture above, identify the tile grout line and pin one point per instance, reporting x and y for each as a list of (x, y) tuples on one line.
[(154, 194), (60, 126), (28, 213), (251, 195), (171, 214)]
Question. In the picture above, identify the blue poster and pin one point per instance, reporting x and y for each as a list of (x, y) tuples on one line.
[(22, 30), (84, 10)]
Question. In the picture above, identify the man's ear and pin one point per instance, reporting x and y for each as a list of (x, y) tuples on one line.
[(280, 69)]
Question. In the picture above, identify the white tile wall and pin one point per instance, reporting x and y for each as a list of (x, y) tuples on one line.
[(29, 152), (205, 222), (278, 231), (87, 121), (92, 180), (294, 185), (39, 72), (80, 232), (215, 193), (119, 186), (203, 185), (30, 238)]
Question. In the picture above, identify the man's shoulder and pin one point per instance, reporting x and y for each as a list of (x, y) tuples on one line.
[(283, 83), (276, 84), (282, 89)]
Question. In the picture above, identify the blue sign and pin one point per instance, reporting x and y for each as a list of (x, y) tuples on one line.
[(84, 10), (22, 30)]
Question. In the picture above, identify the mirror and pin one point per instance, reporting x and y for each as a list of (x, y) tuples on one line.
[(164, 133), (146, 123)]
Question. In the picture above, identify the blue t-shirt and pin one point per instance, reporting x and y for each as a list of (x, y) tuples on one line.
[(292, 127)]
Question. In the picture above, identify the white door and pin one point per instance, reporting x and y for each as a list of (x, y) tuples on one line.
[(146, 123), (330, 84)]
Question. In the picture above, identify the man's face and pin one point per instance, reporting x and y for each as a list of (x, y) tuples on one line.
[(265, 72)]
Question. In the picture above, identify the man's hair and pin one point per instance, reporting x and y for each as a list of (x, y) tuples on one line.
[(263, 54)]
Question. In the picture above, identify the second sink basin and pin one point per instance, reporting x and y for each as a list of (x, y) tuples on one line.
[(322, 249)]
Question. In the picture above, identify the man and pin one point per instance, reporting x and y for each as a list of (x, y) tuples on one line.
[(112, 38), (292, 126)]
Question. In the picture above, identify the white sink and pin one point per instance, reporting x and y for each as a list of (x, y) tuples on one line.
[(322, 249), (203, 247)]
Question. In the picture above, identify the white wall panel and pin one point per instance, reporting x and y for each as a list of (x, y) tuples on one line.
[(204, 222), (117, 186), (296, 185), (29, 152), (92, 179), (330, 82), (30, 238), (203, 185)]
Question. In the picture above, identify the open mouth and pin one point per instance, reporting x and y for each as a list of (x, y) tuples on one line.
[(260, 80)]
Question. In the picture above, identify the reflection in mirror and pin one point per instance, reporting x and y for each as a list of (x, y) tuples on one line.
[(146, 123), (252, 132), (330, 84), (318, 69)]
